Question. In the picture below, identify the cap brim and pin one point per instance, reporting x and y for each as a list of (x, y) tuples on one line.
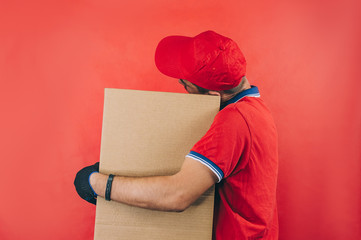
[(168, 56)]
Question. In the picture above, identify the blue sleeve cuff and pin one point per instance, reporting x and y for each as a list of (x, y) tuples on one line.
[(205, 161)]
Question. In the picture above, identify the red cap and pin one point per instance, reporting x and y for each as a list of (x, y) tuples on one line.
[(209, 60)]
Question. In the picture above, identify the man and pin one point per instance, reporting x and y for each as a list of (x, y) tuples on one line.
[(239, 151)]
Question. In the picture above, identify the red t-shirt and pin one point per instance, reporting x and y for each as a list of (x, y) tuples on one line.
[(241, 149)]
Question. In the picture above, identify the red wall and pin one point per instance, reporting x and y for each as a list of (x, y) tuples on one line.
[(56, 58)]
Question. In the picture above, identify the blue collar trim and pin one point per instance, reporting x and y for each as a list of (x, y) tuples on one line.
[(252, 92)]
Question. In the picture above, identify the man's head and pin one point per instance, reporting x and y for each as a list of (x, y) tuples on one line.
[(209, 61)]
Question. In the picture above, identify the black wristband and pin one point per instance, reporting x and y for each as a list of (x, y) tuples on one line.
[(108, 189)]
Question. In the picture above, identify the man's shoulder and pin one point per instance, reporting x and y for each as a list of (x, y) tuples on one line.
[(245, 105), (230, 116), (251, 105), (229, 111), (247, 109)]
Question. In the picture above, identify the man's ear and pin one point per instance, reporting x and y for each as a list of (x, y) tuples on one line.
[(215, 93)]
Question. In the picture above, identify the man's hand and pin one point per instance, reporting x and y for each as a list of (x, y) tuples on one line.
[(82, 184)]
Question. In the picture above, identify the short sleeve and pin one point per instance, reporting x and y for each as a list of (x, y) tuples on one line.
[(221, 148)]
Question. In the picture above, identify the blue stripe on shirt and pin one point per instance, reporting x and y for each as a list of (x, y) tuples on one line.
[(205, 161)]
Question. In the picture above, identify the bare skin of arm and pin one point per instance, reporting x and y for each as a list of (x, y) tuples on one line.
[(166, 193)]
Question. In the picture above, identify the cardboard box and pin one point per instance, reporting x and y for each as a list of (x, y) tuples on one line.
[(149, 134)]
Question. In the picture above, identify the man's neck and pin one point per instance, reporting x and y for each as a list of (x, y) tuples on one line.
[(225, 97)]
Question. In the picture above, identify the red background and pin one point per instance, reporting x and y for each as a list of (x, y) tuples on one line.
[(56, 58)]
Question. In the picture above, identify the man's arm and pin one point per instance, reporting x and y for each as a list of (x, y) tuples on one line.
[(167, 193)]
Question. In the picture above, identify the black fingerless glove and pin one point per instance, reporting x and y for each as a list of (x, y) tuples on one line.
[(82, 184)]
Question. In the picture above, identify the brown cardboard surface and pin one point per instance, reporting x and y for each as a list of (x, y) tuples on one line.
[(147, 134)]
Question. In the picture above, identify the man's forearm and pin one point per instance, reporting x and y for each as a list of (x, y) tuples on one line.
[(160, 193), (168, 193)]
